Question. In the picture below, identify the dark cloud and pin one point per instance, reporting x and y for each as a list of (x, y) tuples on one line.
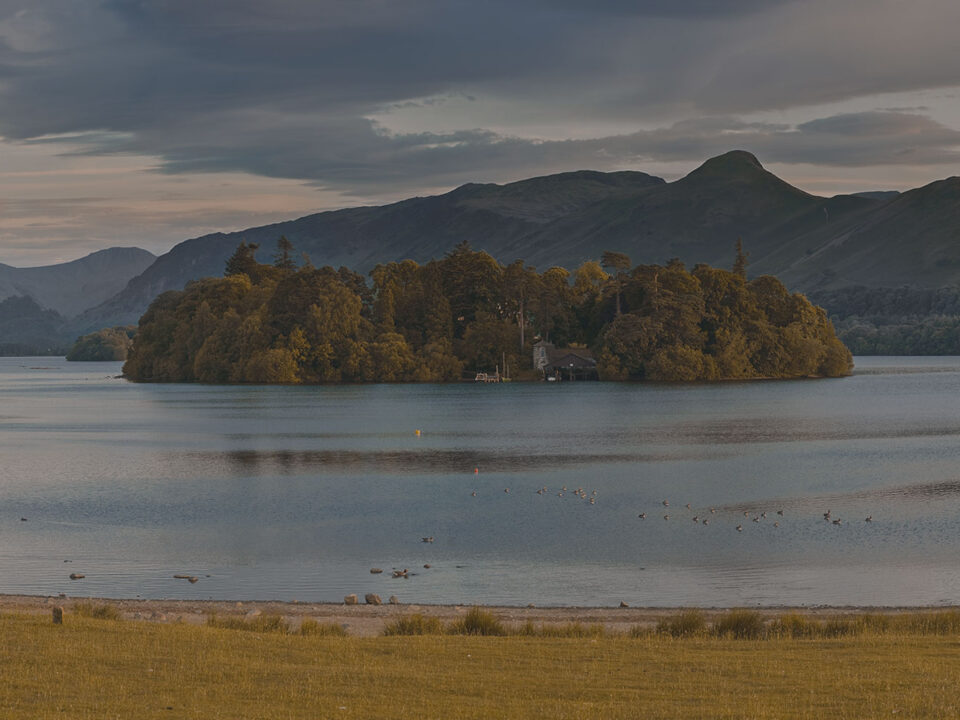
[(287, 88), (357, 154)]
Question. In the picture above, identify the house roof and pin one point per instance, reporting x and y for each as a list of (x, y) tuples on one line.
[(565, 356)]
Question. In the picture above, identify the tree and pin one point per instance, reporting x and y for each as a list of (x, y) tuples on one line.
[(472, 282), (243, 261), (283, 258), (740, 262), (619, 263), (519, 283)]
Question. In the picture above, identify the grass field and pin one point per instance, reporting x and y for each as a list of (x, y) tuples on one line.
[(104, 668)]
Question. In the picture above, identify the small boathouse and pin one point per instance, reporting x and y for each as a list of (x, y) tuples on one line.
[(570, 363)]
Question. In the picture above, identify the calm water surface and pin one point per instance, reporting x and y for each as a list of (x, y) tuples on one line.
[(296, 492)]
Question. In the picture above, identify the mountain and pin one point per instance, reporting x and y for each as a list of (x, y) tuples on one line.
[(913, 239), (72, 287), (814, 244), (697, 219), (497, 218), (28, 329)]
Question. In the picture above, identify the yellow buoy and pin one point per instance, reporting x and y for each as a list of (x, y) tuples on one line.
[(417, 433)]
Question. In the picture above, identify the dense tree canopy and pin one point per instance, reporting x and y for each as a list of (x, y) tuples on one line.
[(107, 344), (466, 313)]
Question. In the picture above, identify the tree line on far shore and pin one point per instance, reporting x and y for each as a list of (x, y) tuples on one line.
[(106, 344), (464, 313)]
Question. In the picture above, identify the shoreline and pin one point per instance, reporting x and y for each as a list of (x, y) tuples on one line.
[(364, 620)]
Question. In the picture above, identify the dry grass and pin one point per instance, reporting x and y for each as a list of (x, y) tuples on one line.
[(97, 612), (275, 624), (416, 624), (90, 668), (688, 623)]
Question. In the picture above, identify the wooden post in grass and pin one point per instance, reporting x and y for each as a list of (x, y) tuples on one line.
[(58, 615)]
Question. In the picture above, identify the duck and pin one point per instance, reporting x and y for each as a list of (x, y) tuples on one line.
[(427, 539), (642, 516), (739, 528), (868, 518)]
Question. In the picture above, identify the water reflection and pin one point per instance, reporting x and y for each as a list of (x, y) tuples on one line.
[(425, 461)]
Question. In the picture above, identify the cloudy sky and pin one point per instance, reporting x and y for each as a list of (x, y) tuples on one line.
[(144, 122)]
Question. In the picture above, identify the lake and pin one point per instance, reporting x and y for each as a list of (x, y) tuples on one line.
[(290, 493)]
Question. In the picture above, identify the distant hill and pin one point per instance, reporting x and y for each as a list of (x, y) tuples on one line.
[(28, 329), (72, 287)]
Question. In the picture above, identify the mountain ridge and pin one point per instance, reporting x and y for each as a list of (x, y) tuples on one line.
[(72, 287), (814, 244)]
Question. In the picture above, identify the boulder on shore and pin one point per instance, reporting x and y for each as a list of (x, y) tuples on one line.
[(372, 599), (350, 600)]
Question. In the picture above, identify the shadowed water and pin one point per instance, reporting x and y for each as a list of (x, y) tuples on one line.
[(296, 492)]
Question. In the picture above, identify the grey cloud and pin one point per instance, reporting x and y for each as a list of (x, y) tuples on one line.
[(285, 88), (357, 155)]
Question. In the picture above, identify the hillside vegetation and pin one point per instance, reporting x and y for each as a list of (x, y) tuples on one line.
[(896, 321), (467, 312)]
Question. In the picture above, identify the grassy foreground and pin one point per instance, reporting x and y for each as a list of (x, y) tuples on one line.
[(100, 668)]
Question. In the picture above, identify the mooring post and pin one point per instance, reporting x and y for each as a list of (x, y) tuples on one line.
[(58, 615)]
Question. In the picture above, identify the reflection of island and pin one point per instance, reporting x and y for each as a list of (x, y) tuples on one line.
[(466, 315)]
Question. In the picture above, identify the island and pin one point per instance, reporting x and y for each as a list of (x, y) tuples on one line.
[(466, 313)]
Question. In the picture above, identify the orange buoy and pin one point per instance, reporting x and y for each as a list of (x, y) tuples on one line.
[(476, 471)]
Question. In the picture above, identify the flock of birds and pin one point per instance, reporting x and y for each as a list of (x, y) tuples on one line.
[(592, 499), (746, 513)]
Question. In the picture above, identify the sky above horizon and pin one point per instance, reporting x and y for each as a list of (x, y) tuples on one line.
[(145, 122)]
